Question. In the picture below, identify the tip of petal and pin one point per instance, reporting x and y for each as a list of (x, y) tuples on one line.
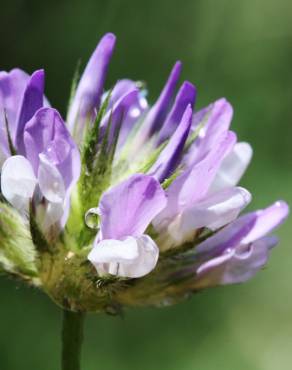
[(188, 91), (224, 107), (38, 77), (176, 70), (109, 36), (283, 206), (44, 112), (188, 113), (107, 43), (188, 85), (246, 195)]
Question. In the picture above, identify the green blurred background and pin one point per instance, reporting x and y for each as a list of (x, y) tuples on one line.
[(238, 49)]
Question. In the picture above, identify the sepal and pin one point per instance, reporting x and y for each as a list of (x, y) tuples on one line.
[(18, 255)]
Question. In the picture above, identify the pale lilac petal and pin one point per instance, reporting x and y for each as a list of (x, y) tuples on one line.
[(50, 181), (267, 220), (236, 265), (128, 208), (193, 184), (54, 213), (33, 99), (233, 167), (131, 257), (186, 96), (171, 155), (90, 87), (218, 119), (215, 211), (230, 202), (18, 182), (200, 118), (46, 133)]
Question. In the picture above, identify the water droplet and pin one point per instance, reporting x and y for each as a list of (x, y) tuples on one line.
[(92, 218)]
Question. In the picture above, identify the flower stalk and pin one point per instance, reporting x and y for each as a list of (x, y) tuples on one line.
[(72, 338)]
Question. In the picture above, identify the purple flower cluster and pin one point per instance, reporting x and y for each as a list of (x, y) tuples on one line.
[(170, 187)]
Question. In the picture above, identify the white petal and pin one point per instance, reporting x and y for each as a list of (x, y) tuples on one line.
[(131, 257), (18, 181), (214, 212), (49, 214), (232, 167), (50, 181), (147, 260), (112, 250)]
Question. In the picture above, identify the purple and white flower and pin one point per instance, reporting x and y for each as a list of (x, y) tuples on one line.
[(158, 179), (126, 210), (47, 163)]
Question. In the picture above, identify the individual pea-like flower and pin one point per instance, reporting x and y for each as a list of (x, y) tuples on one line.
[(125, 203)]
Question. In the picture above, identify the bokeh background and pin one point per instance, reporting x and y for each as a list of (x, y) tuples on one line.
[(238, 49)]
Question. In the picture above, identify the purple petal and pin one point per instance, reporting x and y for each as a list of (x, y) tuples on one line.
[(90, 87), (12, 86), (46, 133), (193, 184), (158, 112), (218, 118), (171, 155), (245, 230), (128, 208), (121, 88), (227, 238), (236, 265), (185, 96), (135, 111), (33, 99)]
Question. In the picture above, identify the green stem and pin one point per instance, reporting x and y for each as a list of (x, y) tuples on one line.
[(72, 336)]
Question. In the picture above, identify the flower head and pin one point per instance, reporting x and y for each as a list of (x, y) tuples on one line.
[(125, 203)]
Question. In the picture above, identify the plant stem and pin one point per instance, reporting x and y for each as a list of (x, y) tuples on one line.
[(72, 337)]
